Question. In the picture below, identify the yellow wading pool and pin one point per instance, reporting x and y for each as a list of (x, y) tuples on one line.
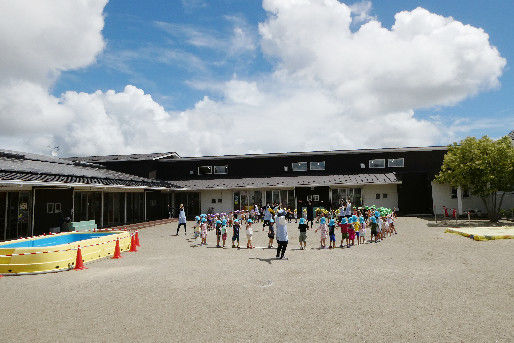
[(59, 251)]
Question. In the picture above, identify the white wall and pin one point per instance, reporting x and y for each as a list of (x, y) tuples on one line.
[(369, 193), (441, 195), (227, 200)]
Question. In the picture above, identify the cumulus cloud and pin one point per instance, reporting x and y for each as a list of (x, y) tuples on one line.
[(332, 86)]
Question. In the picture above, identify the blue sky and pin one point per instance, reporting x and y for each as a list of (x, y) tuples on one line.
[(225, 76), (131, 26)]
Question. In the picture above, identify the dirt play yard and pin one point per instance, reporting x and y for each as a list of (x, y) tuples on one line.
[(422, 285)]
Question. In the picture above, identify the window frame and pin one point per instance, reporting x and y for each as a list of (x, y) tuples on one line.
[(317, 162), (393, 159), (376, 159), (205, 173), (306, 166), (216, 173)]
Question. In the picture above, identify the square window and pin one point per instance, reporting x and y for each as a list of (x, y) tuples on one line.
[(377, 163), (395, 162), (213, 201), (220, 169), (204, 170), (219, 201), (315, 197), (49, 207), (299, 166), (57, 207), (384, 196), (454, 193), (317, 165), (377, 196)]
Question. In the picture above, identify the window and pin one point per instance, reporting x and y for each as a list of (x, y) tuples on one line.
[(317, 165), (57, 207), (363, 166), (377, 196), (384, 196), (204, 170), (299, 166), (219, 201), (377, 163), (286, 168), (465, 193), (49, 207), (191, 172), (395, 162), (213, 201), (220, 169)]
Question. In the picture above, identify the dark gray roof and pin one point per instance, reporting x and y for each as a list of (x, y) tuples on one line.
[(332, 152), (131, 157), (291, 181), (31, 167), (511, 135)]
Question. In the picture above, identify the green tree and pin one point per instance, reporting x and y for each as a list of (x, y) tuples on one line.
[(483, 166)]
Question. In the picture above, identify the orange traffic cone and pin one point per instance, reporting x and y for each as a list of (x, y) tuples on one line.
[(117, 251), (137, 239), (133, 247), (79, 263)]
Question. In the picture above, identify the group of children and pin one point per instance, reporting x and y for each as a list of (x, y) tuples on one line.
[(221, 223), (353, 227)]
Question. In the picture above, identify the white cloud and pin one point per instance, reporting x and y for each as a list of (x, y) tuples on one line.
[(331, 87)]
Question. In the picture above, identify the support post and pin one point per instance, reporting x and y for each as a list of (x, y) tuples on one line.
[(145, 205), (102, 212), (125, 215), (6, 213), (33, 210), (459, 200)]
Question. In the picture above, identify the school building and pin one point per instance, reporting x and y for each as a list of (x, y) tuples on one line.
[(400, 178), (38, 192)]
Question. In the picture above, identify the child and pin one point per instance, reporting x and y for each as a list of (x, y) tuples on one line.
[(249, 234), (204, 231), (351, 232), (271, 233), (374, 228), (196, 228), (362, 231), (218, 232), (224, 231), (332, 234), (390, 220), (235, 235), (356, 227), (303, 233), (323, 230), (344, 231)]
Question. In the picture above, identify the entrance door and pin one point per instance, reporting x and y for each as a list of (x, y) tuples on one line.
[(3, 203), (51, 207)]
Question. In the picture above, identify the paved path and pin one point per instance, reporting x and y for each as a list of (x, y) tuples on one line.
[(420, 285)]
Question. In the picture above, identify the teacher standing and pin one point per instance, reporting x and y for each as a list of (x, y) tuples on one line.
[(181, 218), (282, 238)]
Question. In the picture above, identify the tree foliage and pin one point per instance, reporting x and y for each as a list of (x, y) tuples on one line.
[(483, 166)]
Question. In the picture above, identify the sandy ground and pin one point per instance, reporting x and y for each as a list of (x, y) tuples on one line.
[(420, 285), (487, 231)]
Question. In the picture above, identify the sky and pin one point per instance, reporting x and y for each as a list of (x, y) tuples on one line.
[(197, 77)]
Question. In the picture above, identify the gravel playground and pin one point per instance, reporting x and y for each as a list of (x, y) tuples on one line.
[(420, 285)]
